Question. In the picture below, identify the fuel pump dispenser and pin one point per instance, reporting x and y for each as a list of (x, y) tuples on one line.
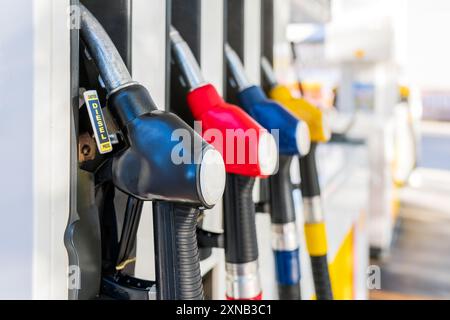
[(315, 230), (294, 140), (231, 130), (145, 167)]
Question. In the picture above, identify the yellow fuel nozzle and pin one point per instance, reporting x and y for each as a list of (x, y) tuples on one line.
[(403, 92), (312, 115)]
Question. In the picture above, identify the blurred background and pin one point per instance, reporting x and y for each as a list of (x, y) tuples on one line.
[(380, 66)]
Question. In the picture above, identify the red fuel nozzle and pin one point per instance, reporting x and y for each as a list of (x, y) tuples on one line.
[(247, 148)]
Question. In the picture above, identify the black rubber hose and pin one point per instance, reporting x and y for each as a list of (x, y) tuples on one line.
[(321, 278), (188, 260), (178, 275), (241, 244), (281, 199), (310, 186)]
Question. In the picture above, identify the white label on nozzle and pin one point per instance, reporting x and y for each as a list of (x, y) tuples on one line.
[(98, 121)]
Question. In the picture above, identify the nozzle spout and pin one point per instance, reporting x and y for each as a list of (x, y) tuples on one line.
[(112, 69), (268, 72), (237, 69), (184, 58)]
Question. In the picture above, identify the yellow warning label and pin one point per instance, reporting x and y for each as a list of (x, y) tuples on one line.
[(98, 122)]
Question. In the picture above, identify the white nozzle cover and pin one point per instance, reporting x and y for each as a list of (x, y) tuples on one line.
[(303, 138), (212, 176), (267, 154)]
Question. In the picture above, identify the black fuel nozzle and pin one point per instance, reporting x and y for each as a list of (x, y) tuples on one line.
[(165, 161)]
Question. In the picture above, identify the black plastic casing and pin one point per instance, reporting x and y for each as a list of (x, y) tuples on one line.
[(146, 169)]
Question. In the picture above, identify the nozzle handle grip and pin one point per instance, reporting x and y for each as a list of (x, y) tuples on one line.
[(281, 198), (241, 244), (310, 185), (177, 261)]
